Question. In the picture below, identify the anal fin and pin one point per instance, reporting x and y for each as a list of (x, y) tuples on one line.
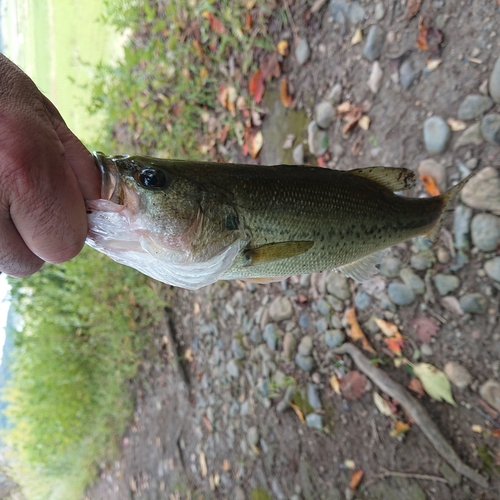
[(392, 178), (363, 269), (276, 251)]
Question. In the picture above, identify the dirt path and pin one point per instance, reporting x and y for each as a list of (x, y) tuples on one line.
[(231, 431)]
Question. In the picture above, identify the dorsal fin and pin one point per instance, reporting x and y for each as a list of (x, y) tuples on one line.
[(392, 178)]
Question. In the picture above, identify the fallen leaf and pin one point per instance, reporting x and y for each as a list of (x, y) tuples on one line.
[(203, 465), (357, 37), (355, 332), (271, 67), (283, 47), (395, 345), (495, 433), (364, 122), (248, 22), (382, 405), (356, 479), (226, 465), (256, 86), (477, 429), (430, 185), (207, 423), (222, 95), (435, 382), (416, 386), (335, 384), (349, 464), (387, 328), (399, 428), (254, 142), (456, 125), (299, 413), (412, 8), (285, 97), (222, 135), (452, 304), (215, 25), (353, 385), (250, 4), (433, 64), (344, 108), (425, 328), (422, 36)]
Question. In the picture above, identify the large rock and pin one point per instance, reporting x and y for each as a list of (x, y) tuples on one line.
[(494, 85), (374, 43), (483, 191), (437, 134), (474, 106)]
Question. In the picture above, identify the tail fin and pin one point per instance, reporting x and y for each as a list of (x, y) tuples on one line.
[(448, 201)]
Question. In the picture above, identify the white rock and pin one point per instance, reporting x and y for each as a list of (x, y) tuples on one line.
[(375, 79)]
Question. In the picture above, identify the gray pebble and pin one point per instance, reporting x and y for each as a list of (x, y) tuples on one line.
[(338, 286), (325, 113), (483, 191), (280, 309), (386, 304), (490, 128), (474, 106), (356, 13), (271, 336), (492, 268), (305, 280), (471, 136), (317, 139), (390, 266), (321, 325), (494, 85), (490, 392), (407, 74), (304, 321), (238, 349), (233, 369), (461, 225), (421, 261), (437, 134), (306, 346), (426, 350), (313, 396), (305, 363), (400, 294), (302, 52), (412, 280), (457, 374), (374, 43), (253, 436), (278, 494), (298, 154), (339, 10), (485, 231), (255, 335), (446, 283), (287, 399), (314, 421), (379, 11), (473, 303), (323, 307), (289, 345), (362, 301), (334, 338), (335, 93), (375, 79)]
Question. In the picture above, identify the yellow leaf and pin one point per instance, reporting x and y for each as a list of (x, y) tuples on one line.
[(388, 329), (364, 122), (299, 413), (433, 64), (382, 405), (357, 37), (335, 384), (226, 465), (355, 331), (477, 429), (399, 428), (456, 125), (203, 465), (204, 73), (283, 48), (349, 464)]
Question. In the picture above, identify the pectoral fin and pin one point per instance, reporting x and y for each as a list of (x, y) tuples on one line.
[(276, 251), (392, 178), (363, 269)]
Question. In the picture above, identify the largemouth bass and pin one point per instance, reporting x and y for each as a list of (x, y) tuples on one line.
[(192, 223)]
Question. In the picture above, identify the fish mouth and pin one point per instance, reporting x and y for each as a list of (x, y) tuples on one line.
[(111, 187)]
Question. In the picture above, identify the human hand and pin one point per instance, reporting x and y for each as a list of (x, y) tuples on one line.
[(46, 173)]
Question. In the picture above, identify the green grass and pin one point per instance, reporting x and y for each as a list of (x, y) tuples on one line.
[(87, 324)]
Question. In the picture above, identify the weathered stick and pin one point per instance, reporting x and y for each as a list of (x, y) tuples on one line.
[(415, 410)]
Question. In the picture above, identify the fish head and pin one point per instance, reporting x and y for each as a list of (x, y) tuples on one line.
[(156, 218)]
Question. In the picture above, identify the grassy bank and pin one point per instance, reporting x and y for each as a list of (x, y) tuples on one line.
[(86, 326)]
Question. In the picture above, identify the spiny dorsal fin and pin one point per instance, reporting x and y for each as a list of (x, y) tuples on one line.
[(392, 178), (276, 251), (363, 269)]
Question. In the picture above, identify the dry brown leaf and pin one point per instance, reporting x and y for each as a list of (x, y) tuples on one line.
[(226, 465), (425, 328), (299, 413), (353, 385), (453, 305), (271, 67), (416, 386), (364, 122), (399, 428), (256, 86), (357, 37), (344, 108), (496, 432), (285, 97), (335, 384), (456, 125), (355, 332), (430, 185), (387, 328), (412, 8), (283, 47), (433, 64), (203, 465), (355, 479), (215, 25), (207, 423)]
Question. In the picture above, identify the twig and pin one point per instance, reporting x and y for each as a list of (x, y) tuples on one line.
[(317, 5), (165, 325), (415, 410), (409, 475), (290, 18)]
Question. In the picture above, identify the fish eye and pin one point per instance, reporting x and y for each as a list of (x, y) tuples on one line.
[(152, 178)]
